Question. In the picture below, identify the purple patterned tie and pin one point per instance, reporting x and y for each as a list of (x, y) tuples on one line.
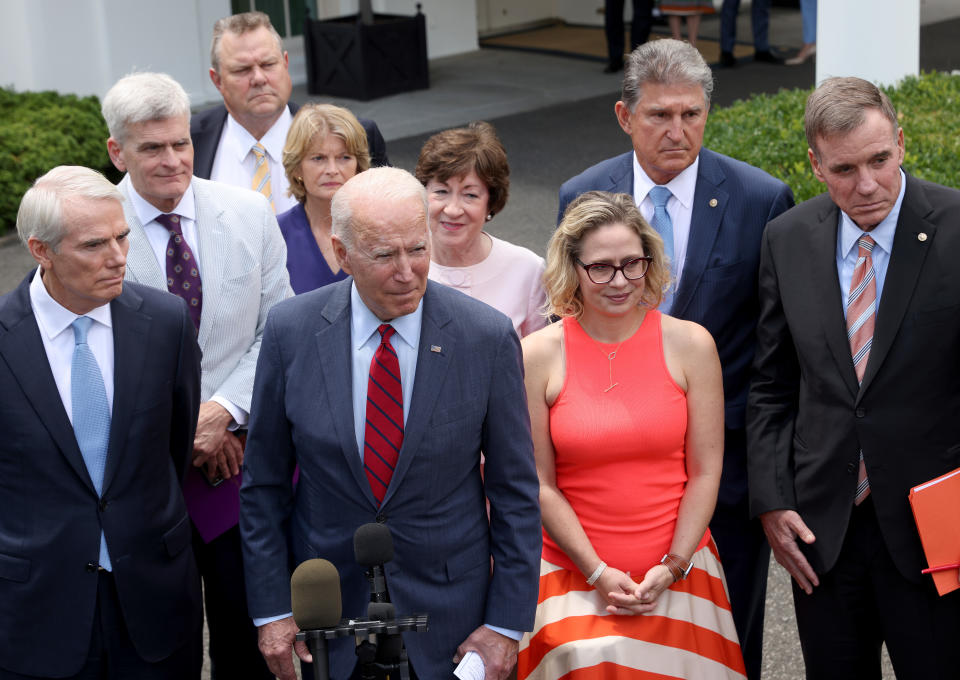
[(183, 274)]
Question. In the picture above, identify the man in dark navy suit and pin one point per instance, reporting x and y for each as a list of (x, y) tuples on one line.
[(384, 388), (715, 209), (99, 393), (251, 70)]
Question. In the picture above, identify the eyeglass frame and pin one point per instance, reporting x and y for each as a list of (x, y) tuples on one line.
[(621, 268)]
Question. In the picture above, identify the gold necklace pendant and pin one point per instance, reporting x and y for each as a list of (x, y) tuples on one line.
[(610, 357)]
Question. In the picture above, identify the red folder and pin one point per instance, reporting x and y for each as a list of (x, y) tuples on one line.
[(936, 509)]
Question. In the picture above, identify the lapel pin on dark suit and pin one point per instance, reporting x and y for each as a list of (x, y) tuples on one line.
[(921, 237), (436, 348), (713, 203)]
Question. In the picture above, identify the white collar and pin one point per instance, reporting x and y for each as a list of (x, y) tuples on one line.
[(237, 141), (147, 212), (882, 234), (364, 323), (683, 186), (52, 317)]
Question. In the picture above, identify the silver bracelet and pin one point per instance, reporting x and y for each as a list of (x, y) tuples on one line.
[(596, 573)]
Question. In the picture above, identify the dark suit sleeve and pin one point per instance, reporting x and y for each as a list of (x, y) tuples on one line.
[(567, 194), (186, 395), (378, 147), (772, 403), (266, 496), (782, 202), (511, 485), (205, 130)]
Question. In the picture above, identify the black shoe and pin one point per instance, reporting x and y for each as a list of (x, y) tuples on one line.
[(727, 60), (613, 66), (767, 57)]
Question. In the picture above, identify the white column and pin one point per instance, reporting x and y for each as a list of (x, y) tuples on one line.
[(877, 40)]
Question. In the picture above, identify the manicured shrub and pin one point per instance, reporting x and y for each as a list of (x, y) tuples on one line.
[(40, 130), (767, 131)]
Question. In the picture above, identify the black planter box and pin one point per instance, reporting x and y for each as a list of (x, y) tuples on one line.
[(347, 58)]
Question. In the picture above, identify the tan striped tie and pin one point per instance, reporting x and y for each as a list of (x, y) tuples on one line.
[(861, 317), (261, 174)]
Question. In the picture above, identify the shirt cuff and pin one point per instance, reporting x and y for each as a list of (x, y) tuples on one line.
[(270, 619), (512, 634), (240, 417)]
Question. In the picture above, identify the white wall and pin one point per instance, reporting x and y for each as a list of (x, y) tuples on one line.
[(84, 46), (451, 24), (495, 14), (877, 40), (585, 12)]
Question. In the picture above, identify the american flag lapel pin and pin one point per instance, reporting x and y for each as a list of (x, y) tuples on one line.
[(436, 348)]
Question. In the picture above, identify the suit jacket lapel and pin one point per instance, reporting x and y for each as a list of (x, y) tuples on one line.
[(211, 234), (824, 286), (21, 347), (709, 205), (130, 331), (906, 261), (431, 369), (334, 347), (621, 175), (142, 265)]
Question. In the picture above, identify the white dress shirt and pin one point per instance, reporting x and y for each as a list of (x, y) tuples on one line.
[(234, 162), (364, 339), (680, 208), (58, 340), (159, 238), (54, 321)]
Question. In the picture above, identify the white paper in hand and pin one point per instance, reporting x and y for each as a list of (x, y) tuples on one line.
[(470, 667)]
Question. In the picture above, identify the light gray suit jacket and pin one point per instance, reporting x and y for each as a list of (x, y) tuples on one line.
[(243, 269)]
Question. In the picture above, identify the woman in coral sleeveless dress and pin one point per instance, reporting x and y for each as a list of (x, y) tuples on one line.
[(626, 409)]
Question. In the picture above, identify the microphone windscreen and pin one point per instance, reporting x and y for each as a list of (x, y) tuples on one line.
[(381, 611), (372, 545), (315, 595)]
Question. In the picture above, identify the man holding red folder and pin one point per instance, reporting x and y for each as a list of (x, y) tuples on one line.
[(856, 393)]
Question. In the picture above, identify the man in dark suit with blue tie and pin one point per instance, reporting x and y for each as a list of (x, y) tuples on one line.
[(385, 389), (99, 392), (711, 211)]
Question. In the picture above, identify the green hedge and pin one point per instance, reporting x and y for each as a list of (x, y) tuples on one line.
[(40, 130), (767, 131)]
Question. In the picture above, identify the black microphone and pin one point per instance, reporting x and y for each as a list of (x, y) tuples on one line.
[(315, 598), (316, 604), (372, 548)]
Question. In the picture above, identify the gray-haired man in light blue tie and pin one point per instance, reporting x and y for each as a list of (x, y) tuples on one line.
[(711, 211), (99, 391)]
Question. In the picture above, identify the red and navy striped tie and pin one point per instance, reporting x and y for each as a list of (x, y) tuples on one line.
[(383, 434)]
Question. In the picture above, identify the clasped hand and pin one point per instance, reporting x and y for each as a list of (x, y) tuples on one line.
[(626, 597)]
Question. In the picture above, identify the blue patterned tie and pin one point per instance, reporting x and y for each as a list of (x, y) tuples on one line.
[(91, 413), (664, 226)]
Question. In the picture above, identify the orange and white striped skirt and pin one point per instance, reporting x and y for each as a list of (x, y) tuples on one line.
[(690, 634)]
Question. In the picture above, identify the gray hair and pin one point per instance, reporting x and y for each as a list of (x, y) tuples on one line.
[(391, 185), (667, 62), (839, 106), (41, 208), (238, 24), (141, 97)]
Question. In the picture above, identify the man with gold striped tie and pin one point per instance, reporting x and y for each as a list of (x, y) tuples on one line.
[(855, 395), (240, 142)]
